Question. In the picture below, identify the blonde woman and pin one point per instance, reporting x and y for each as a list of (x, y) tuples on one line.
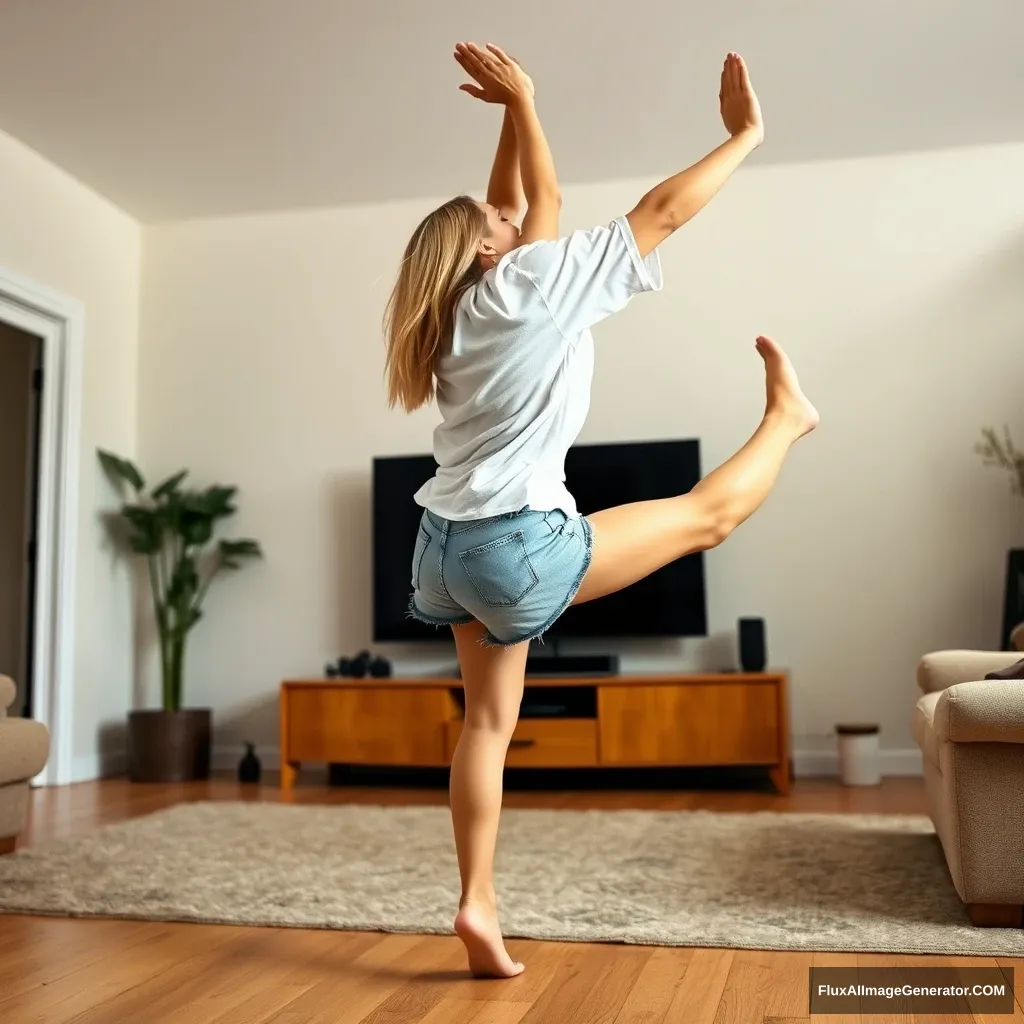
[(493, 320)]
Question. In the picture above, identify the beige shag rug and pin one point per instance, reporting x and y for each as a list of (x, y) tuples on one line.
[(837, 882)]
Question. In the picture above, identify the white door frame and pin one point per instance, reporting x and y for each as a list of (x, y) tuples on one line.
[(60, 322)]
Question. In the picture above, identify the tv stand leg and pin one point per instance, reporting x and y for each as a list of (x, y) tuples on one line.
[(781, 774)]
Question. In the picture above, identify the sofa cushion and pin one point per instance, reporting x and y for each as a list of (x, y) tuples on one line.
[(941, 669), (24, 748), (924, 726)]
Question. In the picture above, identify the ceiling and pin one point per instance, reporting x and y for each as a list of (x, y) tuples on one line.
[(186, 108)]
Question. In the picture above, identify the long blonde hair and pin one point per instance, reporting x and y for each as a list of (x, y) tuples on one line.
[(440, 263)]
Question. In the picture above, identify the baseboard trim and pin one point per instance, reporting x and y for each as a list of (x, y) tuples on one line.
[(98, 766), (807, 764), (818, 764)]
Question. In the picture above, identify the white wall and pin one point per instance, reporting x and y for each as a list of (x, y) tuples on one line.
[(59, 234), (895, 284)]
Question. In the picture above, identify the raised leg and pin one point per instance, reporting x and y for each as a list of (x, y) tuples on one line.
[(493, 679), (632, 541)]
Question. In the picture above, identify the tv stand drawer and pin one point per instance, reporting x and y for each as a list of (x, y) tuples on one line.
[(722, 723), (545, 742)]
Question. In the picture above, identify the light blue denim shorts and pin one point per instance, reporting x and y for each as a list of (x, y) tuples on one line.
[(514, 573)]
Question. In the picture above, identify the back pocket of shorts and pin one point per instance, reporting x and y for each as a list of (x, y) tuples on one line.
[(501, 571)]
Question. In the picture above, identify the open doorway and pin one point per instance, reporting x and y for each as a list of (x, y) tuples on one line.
[(21, 380)]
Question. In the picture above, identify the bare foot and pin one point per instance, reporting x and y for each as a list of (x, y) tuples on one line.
[(784, 395), (478, 928)]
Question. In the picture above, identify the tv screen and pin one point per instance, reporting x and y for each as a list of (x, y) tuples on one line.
[(668, 603)]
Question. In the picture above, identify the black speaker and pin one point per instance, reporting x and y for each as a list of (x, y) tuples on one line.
[(753, 651)]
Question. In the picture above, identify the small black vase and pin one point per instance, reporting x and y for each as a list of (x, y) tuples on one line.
[(249, 766)]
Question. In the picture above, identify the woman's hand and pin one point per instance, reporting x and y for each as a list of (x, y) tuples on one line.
[(741, 112), (499, 78)]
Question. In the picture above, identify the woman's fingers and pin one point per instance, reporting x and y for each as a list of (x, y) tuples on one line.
[(486, 60), (474, 90), (470, 61), (500, 54)]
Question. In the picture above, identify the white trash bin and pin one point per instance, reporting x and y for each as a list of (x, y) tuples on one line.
[(858, 755)]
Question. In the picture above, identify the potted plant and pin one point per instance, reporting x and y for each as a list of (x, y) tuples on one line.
[(1002, 453), (173, 529)]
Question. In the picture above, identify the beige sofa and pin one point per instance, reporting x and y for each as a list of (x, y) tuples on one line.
[(971, 734), (24, 748)]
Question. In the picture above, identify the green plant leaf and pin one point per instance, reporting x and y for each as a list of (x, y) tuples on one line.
[(233, 550), (195, 528), (121, 470), (216, 501), (170, 486), (147, 529)]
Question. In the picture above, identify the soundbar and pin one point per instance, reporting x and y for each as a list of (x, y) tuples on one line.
[(572, 665)]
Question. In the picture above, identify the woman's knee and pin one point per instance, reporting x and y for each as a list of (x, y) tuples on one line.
[(709, 524), (499, 722)]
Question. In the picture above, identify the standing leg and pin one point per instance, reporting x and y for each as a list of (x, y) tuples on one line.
[(632, 541), (493, 679)]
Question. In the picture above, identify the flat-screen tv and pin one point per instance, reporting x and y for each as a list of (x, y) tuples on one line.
[(668, 603)]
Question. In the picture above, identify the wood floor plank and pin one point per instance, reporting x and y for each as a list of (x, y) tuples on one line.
[(278, 971), (410, 988), (747, 986), (166, 994), (500, 1011), (788, 991), (652, 995), (453, 1011), (592, 986), (698, 995), (76, 993), (355, 990), (48, 948)]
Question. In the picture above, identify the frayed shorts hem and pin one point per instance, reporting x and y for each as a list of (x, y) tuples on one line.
[(430, 620)]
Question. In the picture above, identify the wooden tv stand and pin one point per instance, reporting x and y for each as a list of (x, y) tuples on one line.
[(629, 722)]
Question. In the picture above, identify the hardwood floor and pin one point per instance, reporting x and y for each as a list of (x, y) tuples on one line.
[(58, 971)]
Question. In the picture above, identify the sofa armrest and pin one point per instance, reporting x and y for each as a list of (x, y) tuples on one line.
[(989, 711), (7, 694), (26, 749), (941, 669)]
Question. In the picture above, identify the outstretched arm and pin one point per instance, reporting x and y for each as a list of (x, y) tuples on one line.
[(540, 182), (501, 80), (668, 206), (505, 189)]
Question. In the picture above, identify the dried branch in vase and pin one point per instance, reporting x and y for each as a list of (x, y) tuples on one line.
[(1003, 454)]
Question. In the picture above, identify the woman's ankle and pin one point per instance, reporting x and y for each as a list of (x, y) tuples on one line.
[(485, 899)]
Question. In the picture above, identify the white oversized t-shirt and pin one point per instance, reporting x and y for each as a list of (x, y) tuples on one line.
[(514, 391)]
